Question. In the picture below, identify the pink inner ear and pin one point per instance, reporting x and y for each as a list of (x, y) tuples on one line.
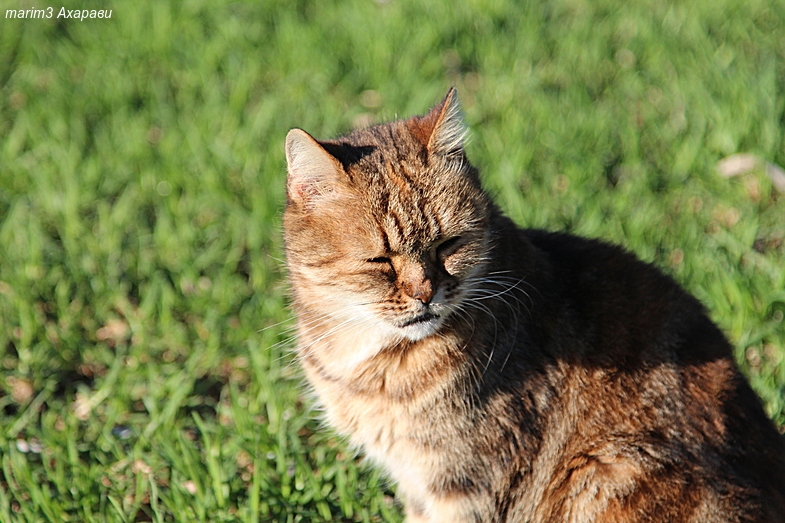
[(422, 127), (299, 191), (303, 192), (313, 171)]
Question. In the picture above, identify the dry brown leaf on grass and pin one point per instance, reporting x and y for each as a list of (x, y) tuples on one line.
[(743, 163)]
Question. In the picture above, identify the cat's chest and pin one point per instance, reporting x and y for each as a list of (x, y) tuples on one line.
[(403, 408), (399, 437), (371, 418), (390, 410)]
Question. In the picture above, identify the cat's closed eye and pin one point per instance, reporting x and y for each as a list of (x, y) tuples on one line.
[(451, 254), (447, 247), (381, 264)]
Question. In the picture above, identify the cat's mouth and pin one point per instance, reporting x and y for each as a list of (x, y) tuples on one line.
[(422, 318)]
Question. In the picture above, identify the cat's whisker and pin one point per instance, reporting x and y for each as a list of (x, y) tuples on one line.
[(475, 290), (499, 279), (363, 323), (496, 325), (316, 318), (264, 329), (330, 332), (466, 317), (475, 294), (303, 351)]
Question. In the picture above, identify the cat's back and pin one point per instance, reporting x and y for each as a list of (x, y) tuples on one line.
[(658, 404)]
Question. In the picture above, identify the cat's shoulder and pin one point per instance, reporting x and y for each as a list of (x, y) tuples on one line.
[(590, 257), (605, 278), (567, 246)]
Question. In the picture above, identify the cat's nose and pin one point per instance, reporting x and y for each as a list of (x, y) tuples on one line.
[(422, 291)]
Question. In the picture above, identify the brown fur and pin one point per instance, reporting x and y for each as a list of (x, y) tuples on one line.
[(509, 375)]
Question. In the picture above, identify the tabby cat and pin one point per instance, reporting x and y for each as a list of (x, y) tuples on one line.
[(500, 374)]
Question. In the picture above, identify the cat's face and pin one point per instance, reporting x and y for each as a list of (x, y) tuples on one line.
[(386, 228)]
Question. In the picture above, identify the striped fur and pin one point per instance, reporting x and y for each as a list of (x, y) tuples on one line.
[(508, 375)]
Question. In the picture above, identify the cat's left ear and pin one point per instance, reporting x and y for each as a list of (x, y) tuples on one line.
[(313, 172), (441, 131)]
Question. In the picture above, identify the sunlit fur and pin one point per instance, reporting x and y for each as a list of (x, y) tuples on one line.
[(508, 375)]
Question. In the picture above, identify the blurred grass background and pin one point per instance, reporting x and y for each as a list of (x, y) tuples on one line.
[(145, 366)]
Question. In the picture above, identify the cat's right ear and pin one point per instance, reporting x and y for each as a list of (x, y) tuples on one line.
[(441, 131), (313, 172)]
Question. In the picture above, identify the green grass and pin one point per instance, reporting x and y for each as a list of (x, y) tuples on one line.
[(145, 357)]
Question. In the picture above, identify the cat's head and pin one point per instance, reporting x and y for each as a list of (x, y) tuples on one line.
[(386, 227)]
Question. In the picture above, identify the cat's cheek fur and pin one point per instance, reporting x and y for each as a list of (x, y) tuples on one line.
[(332, 360), (359, 345)]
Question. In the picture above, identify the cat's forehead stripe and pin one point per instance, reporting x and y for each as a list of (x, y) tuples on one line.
[(395, 230), (411, 222), (385, 239), (401, 183)]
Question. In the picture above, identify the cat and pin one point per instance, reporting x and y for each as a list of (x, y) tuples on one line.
[(500, 374)]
